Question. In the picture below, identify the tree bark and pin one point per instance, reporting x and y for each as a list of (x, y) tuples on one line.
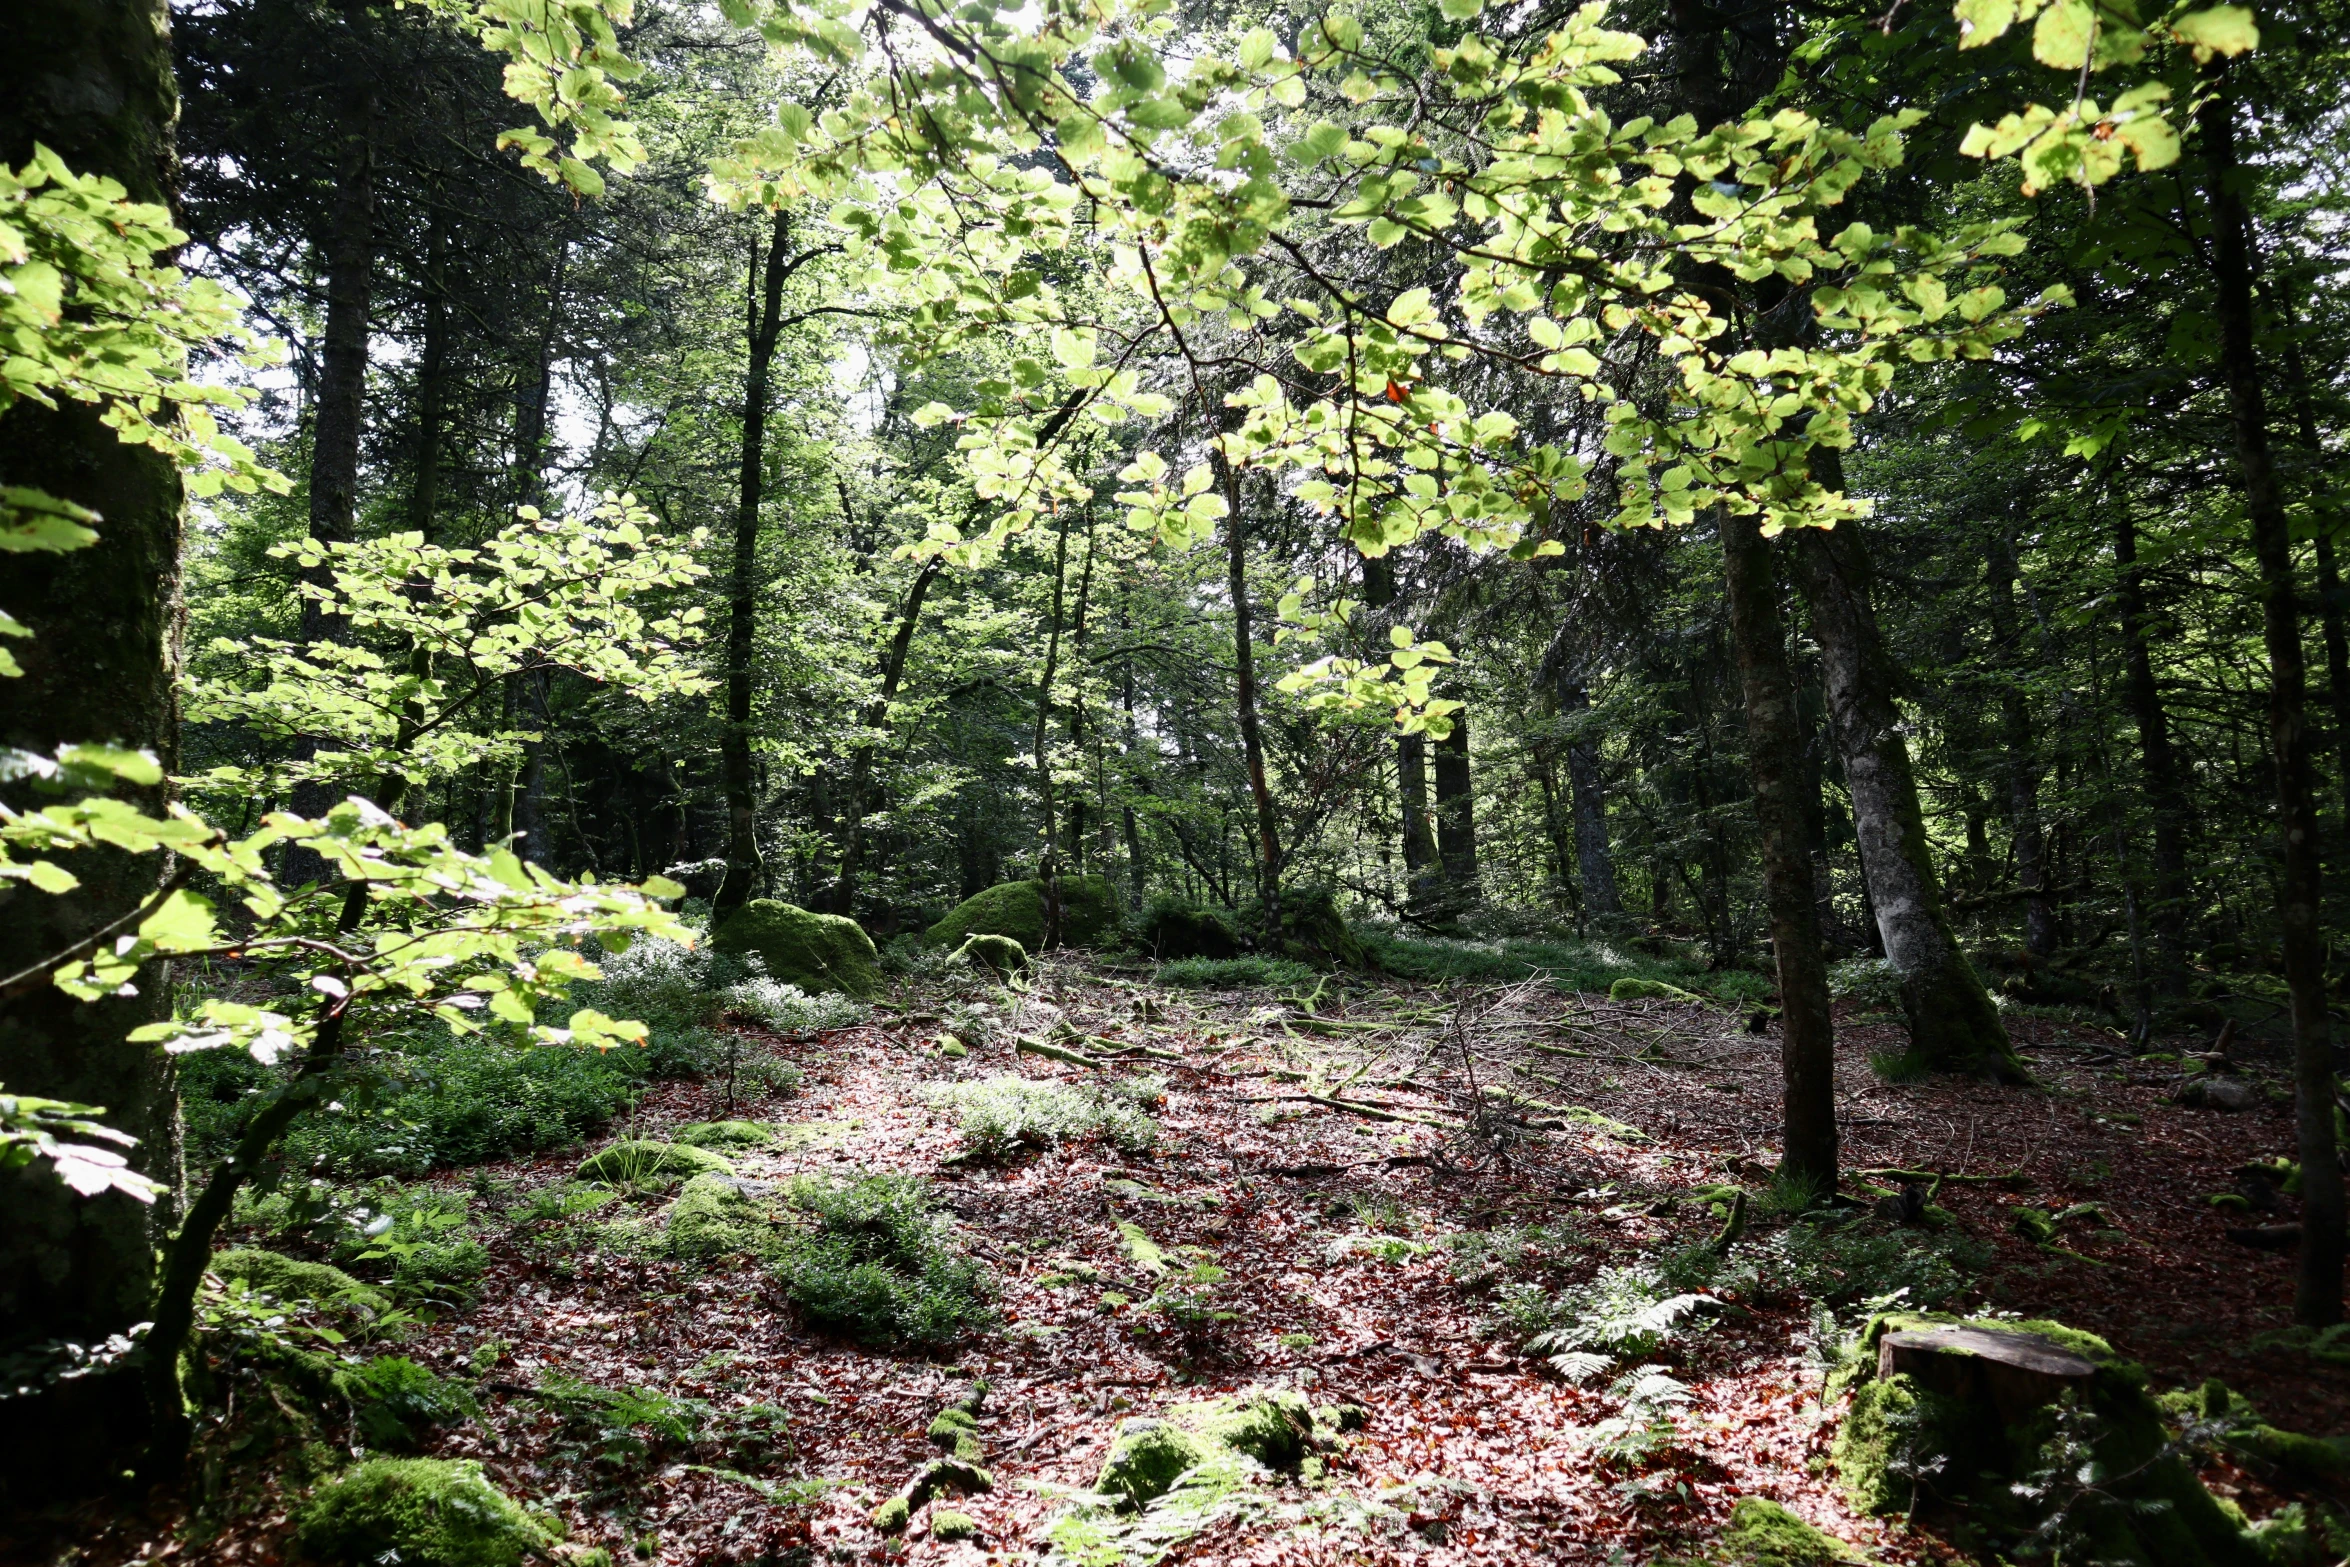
[(1952, 1023), (1048, 867), (1456, 814), (339, 413), (2157, 760), (2317, 1294), (2023, 766), (1774, 759), (1595, 864), (744, 870), (876, 719), (91, 80), (1244, 695)]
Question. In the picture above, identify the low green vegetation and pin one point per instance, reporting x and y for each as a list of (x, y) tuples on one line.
[(1588, 966), (1235, 973), (641, 1162), (877, 1265), (423, 1512), (998, 1116)]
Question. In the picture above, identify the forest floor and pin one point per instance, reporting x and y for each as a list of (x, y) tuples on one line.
[(1378, 1255)]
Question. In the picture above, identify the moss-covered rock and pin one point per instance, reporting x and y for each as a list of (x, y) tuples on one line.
[(1089, 914), (956, 1432), (1171, 928), (2245, 1434), (725, 1134), (1631, 989), (1275, 1427), (290, 1280), (892, 1516), (950, 1525), (1000, 955), (1903, 1445), (1146, 1458), (431, 1512), (817, 952), (715, 1216), (637, 1162), (1764, 1534), (1312, 931)]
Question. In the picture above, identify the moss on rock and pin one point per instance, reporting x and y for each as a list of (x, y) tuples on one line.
[(948, 1524), (1764, 1534), (1146, 1458), (817, 952), (1312, 931), (1274, 1427), (424, 1512), (289, 1279), (956, 1432), (725, 1134), (1089, 914), (1000, 954), (635, 1161), (1171, 928), (1902, 1444), (892, 1516), (714, 1216)]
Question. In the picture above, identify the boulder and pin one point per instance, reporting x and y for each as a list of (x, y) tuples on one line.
[(426, 1512), (1089, 914), (1146, 1458), (1272, 1427), (816, 952), (1312, 931), (1171, 928), (1000, 955)]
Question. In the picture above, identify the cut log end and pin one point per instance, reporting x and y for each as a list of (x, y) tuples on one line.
[(2015, 1372)]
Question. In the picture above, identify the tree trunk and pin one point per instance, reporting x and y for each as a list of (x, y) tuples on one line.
[(744, 872), (1456, 815), (2023, 766), (432, 376), (338, 415), (91, 80), (1774, 759), (2158, 761), (2317, 1295), (1595, 865), (1419, 839), (1244, 695), (1048, 867), (1952, 1023), (2329, 577), (861, 791)]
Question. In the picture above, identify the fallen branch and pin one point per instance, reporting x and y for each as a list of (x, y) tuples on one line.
[(1037, 1047)]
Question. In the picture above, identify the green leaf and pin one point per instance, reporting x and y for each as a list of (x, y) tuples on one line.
[(182, 924), (2224, 29), (2061, 39)]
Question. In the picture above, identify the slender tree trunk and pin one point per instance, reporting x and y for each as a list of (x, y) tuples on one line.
[(2157, 760), (1048, 869), (2023, 764), (2329, 576), (1595, 864), (2317, 1295), (1137, 872), (1456, 814), (1077, 804), (744, 871), (91, 80), (1952, 1023), (338, 415), (1419, 838), (1244, 696), (1774, 752), (862, 800)]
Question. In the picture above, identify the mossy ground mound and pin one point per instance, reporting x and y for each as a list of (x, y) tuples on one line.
[(289, 1280), (423, 1512), (1171, 928), (636, 1162), (725, 1134), (715, 1216), (817, 952), (1089, 914), (1271, 1427), (1764, 1534), (1000, 955), (1905, 1446)]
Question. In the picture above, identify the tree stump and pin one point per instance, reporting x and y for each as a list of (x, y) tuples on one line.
[(2014, 1372)]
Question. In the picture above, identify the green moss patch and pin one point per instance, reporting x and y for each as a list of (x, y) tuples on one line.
[(1764, 1534), (1171, 928), (423, 1512), (714, 1216), (1089, 914), (1310, 931), (1000, 955), (948, 1524), (725, 1134), (1631, 989), (638, 1162), (816, 952), (1146, 1458), (289, 1281)]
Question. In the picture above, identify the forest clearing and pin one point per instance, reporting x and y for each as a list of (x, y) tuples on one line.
[(1129, 781)]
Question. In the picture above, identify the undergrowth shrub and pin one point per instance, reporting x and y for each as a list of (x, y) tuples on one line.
[(1000, 1115), (620, 1432), (395, 1401), (1866, 982), (790, 1010), (1591, 966), (1838, 1264), (877, 1265), (1235, 973)]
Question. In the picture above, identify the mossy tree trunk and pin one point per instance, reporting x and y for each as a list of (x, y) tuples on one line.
[(91, 80), (1952, 1023)]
